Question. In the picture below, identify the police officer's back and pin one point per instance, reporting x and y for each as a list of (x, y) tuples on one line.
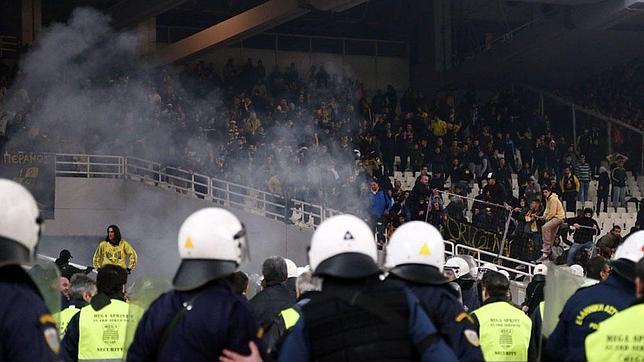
[(27, 329), (356, 316), (202, 315), (588, 307), (503, 328), (621, 337), (415, 256), (99, 330)]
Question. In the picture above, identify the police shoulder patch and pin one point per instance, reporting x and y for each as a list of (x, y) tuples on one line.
[(462, 316), (472, 337), (46, 319), (52, 339)]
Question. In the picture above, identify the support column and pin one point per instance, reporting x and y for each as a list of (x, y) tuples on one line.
[(147, 31), (31, 20), (574, 128), (443, 34)]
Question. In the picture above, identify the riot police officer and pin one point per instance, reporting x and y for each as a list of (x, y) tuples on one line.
[(27, 329), (416, 255), (588, 307), (356, 316), (202, 315), (620, 337)]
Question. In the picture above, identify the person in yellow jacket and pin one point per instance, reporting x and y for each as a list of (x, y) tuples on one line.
[(504, 330), (115, 250), (554, 216), (99, 330), (621, 337)]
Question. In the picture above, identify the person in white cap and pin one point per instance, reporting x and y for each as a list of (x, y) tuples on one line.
[(415, 257), (591, 305), (202, 316), (459, 271), (621, 337), (291, 271), (534, 290), (357, 316)]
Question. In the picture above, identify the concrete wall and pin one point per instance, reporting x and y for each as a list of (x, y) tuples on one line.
[(149, 218), (374, 72)]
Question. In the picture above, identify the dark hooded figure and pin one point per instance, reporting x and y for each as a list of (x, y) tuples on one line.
[(67, 270)]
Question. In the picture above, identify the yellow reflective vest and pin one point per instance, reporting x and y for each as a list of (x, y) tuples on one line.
[(63, 317), (103, 333), (290, 317), (618, 338), (504, 332)]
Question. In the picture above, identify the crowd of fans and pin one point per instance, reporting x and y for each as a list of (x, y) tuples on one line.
[(319, 136), (615, 93)]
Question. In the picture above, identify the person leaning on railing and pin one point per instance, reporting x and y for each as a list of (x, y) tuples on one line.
[(115, 250)]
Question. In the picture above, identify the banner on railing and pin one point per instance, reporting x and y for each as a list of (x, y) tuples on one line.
[(35, 171), (464, 232)]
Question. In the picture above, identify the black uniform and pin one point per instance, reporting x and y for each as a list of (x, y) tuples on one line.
[(27, 330), (218, 319)]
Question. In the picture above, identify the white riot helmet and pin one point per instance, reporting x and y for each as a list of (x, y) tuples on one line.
[(541, 269), (577, 270), (291, 268), (474, 270), (212, 243), (458, 266), (486, 267), (343, 246), (628, 254), (19, 223), (416, 252), (505, 273)]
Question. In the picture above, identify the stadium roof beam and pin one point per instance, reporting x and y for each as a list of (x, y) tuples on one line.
[(252, 21), (128, 13)]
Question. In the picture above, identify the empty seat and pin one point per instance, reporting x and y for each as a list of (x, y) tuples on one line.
[(398, 175), (409, 174)]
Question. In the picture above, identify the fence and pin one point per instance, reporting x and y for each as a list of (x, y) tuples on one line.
[(194, 184), (8, 45), (594, 134), (221, 192)]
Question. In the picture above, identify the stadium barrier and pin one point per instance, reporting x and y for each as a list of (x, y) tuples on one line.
[(225, 193)]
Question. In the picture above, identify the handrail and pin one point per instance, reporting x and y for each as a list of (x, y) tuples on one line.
[(582, 108), (302, 213), (494, 256)]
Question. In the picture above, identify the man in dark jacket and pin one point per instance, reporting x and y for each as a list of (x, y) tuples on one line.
[(603, 188), (585, 229), (275, 296), (494, 191), (534, 292), (67, 270)]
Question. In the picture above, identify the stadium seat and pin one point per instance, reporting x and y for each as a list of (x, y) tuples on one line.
[(398, 175), (409, 174)]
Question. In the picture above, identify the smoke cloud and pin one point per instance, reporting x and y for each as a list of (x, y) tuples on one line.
[(85, 88)]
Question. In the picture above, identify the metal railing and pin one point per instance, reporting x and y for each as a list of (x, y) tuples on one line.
[(301, 42), (581, 117), (8, 44), (511, 265), (225, 193)]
